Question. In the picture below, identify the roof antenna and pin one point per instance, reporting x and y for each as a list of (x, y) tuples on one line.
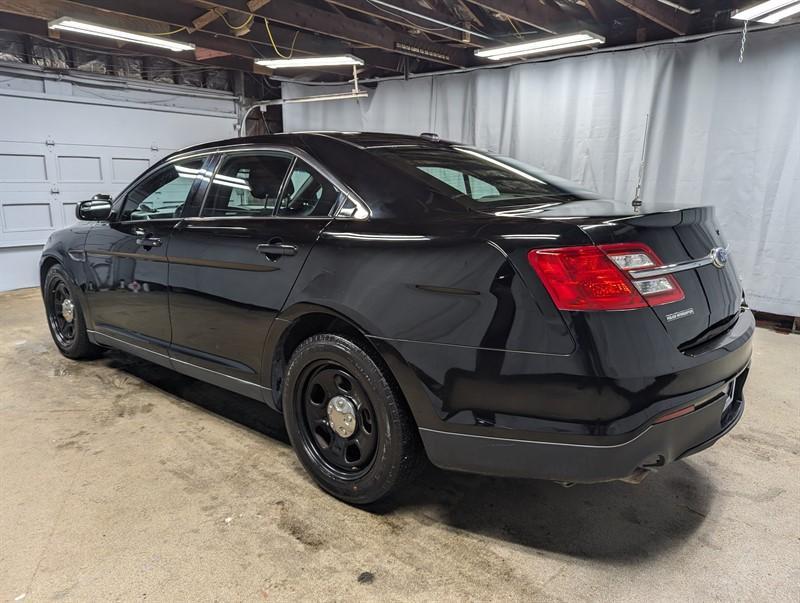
[(637, 198)]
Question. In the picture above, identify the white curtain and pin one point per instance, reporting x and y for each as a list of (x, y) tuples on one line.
[(721, 133)]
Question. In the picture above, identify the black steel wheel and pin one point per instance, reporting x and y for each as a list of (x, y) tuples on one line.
[(347, 422), (338, 426), (65, 315), (61, 312)]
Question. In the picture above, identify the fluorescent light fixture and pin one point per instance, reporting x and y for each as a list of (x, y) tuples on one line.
[(781, 14), (90, 29), (755, 13), (549, 44), (322, 97), (330, 61)]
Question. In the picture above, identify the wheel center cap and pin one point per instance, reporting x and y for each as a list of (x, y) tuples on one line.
[(68, 310), (342, 416)]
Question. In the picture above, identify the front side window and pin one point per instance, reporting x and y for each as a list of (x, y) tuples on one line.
[(246, 185), (307, 193), (163, 194)]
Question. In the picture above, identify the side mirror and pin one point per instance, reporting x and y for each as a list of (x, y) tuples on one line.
[(95, 209)]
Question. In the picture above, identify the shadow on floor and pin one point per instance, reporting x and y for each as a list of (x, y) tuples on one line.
[(613, 522)]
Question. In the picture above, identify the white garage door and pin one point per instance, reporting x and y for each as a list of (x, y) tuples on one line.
[(63, 139)]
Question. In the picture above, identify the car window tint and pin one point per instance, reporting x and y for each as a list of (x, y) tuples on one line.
[(478, 189), (474, 177), (450, 177), (307, 193), (163, 194), (246, 185)]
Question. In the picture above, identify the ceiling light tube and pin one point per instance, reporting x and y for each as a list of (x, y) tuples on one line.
[(754, 13), (330, 61), (549, 44), (781, 14), (324, 97), (90, 29)]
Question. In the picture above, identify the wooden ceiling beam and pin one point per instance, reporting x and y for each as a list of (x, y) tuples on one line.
[(674, 20), (597, 10), (356, 32)]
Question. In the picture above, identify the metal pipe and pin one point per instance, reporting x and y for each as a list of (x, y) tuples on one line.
[(431, 19), (683, 9)]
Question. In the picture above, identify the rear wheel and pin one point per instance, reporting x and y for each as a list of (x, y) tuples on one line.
[(65, 316), (348, 425)]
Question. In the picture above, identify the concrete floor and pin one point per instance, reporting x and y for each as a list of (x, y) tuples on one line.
[(120, 480)]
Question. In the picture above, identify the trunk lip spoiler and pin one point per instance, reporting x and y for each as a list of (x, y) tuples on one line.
[(715, 256)]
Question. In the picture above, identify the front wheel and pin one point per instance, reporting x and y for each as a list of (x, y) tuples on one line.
[(347, 423), (65, 316)]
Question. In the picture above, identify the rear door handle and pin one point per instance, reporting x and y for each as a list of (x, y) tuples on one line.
[(276, 249)]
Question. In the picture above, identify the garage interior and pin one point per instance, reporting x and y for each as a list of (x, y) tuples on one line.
[(121, 480)]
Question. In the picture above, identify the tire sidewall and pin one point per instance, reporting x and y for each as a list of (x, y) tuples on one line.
[(382, 473), (80, 340)]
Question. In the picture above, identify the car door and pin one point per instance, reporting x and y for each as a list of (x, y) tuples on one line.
[(126, 260), (233, 266)]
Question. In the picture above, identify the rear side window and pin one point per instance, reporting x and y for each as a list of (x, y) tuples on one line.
[(162, 194), (246, 185), (473, 177), (307, 193)]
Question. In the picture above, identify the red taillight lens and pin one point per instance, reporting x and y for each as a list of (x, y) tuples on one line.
[(599, 277)]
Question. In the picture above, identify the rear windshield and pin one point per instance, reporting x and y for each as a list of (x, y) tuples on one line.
[(479, 179)]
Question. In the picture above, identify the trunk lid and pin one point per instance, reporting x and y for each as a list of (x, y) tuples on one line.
[(713, 293)]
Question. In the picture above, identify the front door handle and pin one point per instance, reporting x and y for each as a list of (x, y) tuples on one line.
[(276, 249), (148, 242)]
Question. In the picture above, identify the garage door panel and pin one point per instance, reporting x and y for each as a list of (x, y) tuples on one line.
[(27, 217), (80, 168), (125, 168), (23, 167), (24, 217)]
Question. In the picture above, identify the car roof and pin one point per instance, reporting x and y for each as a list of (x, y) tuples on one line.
[(362, 140)]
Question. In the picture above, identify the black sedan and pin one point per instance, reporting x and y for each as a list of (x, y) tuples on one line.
[(400, 297)]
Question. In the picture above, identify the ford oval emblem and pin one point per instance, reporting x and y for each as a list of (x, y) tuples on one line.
[(719, 257)]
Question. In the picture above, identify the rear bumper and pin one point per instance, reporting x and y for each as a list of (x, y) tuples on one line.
[(653, 446)]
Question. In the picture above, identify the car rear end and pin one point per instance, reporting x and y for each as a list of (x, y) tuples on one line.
[(663, 340)]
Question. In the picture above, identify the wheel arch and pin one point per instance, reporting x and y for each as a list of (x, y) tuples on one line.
[(47, 262), (296, 324)]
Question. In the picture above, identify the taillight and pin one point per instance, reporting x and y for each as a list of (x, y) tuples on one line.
[(599, 277)]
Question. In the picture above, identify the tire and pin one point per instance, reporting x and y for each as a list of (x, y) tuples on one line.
[(68, 329), (328, 379)]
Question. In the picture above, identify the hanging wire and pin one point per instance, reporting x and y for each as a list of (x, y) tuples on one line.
[(744, 41), (247, 22), (165, 33), (274, 46)]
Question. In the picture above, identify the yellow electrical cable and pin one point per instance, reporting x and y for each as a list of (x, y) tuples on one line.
[(235, 27), (166, 33), (274, 46)]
